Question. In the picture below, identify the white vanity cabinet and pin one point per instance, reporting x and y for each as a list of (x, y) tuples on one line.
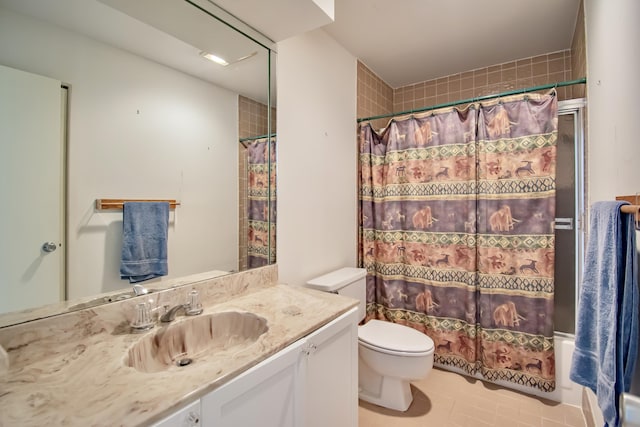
[(330, 370), (188, 416), (312, 382), (266, 395)]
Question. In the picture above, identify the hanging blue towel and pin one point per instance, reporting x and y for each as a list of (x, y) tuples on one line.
[(607, 330), (144, 243)]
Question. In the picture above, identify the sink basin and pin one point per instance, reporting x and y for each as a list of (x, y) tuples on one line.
[(187, 340)]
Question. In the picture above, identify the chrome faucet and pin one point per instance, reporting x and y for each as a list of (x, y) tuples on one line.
[(170, 315), (192, 308)]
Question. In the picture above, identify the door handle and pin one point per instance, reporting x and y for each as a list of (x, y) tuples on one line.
[(49, 247), (564, 224)]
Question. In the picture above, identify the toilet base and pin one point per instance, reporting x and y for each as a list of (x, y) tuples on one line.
[(388, 392), (397, 395)]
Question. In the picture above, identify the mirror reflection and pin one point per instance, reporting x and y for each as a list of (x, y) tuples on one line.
[(121, 100)]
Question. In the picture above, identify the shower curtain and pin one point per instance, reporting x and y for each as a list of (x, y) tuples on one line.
[(456, 233), (262, 202)]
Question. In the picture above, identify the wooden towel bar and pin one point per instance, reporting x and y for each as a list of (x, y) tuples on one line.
[(114, 204)]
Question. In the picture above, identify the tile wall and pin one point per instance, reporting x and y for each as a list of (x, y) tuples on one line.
[(523, 73), (375, 97), (243, 223), (252, 121), (253, 118), (579, 54)]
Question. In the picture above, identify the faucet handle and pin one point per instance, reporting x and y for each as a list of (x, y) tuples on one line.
[(4, 361), (142, 320), (193, 306), (140, 290)]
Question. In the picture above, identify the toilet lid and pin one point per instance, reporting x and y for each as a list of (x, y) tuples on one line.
[(391, 336)]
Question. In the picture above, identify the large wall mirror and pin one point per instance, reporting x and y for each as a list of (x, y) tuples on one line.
[(120, 99)]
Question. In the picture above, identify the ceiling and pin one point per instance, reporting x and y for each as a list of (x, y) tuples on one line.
[(169, 32), (409, 41), (280, 19), (402, 41)]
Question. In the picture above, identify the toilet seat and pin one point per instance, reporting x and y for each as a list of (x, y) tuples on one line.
[(395, 339)]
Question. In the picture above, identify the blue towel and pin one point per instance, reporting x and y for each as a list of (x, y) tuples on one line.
[(144, 243), (607, 330)]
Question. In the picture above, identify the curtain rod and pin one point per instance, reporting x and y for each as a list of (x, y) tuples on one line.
[(479, 98), (253, 138)]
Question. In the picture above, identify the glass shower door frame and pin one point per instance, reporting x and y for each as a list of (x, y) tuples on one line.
[(576, 108)]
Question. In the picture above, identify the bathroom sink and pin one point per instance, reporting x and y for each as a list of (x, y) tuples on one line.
[(184, 342)]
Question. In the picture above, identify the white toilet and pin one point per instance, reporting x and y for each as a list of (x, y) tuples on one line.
[(390, 356)]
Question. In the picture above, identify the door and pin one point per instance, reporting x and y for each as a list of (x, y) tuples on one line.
[(569, 233), (266, 395), (330, 365), (31, 190)]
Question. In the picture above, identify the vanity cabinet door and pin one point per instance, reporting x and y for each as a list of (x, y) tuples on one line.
[(185, 417), (330, 366), (266, 395)]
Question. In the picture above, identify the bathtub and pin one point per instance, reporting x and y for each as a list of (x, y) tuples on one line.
[(566, 390)]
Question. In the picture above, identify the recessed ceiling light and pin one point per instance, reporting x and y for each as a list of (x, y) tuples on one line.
[(216, 59)]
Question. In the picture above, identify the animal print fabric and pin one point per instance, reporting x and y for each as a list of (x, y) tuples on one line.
[(262, 202), (456, 233)]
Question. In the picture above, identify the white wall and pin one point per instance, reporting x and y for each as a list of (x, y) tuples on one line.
[(317, 196), (613, 67), (137, 129)]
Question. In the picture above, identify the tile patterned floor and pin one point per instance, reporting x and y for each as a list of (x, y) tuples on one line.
[(447, 399)]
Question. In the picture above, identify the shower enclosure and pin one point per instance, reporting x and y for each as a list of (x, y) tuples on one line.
[(570, 237), (569, 213), (569, 240)]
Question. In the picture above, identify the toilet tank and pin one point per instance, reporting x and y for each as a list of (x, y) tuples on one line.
[(349, 281)]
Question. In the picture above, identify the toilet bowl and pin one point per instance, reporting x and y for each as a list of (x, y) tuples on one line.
[(390, 355)]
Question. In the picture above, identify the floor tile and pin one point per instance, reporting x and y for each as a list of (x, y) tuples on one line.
[(550, 423), (573, 417), (449, 399)]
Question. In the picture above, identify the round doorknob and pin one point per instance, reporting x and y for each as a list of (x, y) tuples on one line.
[(49, 247)]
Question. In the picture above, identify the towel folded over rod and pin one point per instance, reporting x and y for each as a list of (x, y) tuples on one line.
[(607, 320), (144, 242)]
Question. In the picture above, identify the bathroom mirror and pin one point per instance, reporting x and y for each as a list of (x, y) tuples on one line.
[(145, 115)]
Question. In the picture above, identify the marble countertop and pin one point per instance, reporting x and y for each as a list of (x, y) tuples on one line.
[(79, 376)]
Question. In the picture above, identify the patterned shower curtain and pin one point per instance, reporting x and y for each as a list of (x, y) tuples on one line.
[(262, 202), (456, 233)]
